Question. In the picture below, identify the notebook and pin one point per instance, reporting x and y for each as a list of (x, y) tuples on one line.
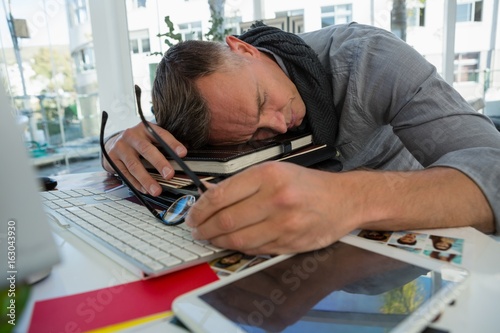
[(309, 156), (293, 147), (28, 250)]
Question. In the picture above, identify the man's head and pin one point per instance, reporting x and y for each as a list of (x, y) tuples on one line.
[(207, 92), (177, 103)]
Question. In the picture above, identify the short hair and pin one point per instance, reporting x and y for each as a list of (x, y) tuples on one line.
[(178, 105), (400, 241)]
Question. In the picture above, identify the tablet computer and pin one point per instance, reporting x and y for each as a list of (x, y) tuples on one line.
[(353, 285)]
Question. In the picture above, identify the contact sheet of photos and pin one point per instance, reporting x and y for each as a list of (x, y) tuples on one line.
[(437, 247)]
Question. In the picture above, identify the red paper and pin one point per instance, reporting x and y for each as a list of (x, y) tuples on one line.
[(108, 306)]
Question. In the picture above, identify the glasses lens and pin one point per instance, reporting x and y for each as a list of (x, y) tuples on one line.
[(178, 210)]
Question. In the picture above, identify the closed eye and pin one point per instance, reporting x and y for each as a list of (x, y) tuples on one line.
[(263, 133), (261, 102)]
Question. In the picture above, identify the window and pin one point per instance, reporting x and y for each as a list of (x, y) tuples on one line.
[(293, 24), (152, 72), (290, 21), (470, 11), (416, 15), (191, 31), (296, 12), (134, 46), (139, 41), (467, 67), (146, 47), (78, 12), (233, 24), (338, 14), (84, 59), (296, 24), (327, 16)]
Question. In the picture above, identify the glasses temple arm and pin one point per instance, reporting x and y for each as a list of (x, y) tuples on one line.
[(196, 180), (179, 161), (120, 174)]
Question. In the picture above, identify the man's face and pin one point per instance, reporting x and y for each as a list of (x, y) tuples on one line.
[(251, 102)]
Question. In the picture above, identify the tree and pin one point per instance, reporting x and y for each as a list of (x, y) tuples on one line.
[(171, 37), (217, 31), (59, 77), (404, 299)]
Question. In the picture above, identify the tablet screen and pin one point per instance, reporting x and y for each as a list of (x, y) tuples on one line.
[(340, 288)]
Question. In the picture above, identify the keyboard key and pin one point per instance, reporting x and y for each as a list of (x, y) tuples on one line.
[(154, 265), (170, 261), (183, 254), (199, 250)]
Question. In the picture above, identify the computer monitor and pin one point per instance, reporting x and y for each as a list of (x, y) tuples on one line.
[(27, 247)]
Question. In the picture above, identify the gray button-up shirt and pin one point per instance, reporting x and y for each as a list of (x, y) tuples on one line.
[(397, 113)]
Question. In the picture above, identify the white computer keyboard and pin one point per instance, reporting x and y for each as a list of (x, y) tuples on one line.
[(128, 229)]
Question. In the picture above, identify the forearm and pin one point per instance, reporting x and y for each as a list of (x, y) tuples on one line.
[(432, 198)]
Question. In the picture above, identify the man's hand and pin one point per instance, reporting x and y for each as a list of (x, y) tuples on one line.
[(272, 208), (279, 207), (126, 148)]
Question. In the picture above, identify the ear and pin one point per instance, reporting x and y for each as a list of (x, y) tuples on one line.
[(238, 46)]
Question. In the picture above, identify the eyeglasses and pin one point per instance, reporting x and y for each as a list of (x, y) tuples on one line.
[(178, 210)]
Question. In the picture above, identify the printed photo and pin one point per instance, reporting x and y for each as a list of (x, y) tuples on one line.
[(232, 262), (416, 250), (444, 256), (256, 261), (407, 238), (381, 236), (445, 244)]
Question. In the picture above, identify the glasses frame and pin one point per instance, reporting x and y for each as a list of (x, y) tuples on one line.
[(196, 180), (140, 196)]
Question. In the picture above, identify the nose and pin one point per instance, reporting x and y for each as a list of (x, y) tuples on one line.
[(274, 121)]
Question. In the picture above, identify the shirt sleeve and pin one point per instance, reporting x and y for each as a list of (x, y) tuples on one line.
[(433, 121)]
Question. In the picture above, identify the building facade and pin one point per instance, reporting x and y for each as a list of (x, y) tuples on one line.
[(476, 63)]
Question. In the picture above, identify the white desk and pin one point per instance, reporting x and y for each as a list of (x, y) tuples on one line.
[(476, 310), (82, 269)]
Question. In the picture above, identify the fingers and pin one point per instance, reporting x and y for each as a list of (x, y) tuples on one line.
[(226, 193), (242, 213), (151, 153), (130, 148), (229, 221), (271, 208), (277, 235)]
